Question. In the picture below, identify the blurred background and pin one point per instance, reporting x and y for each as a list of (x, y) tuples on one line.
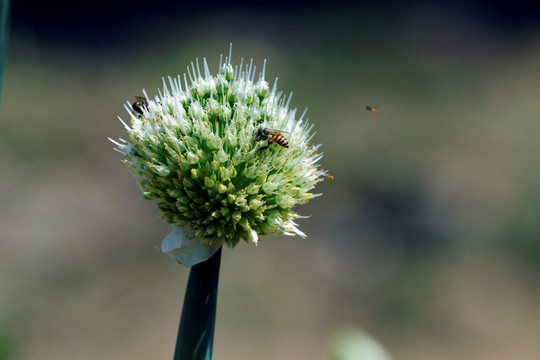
[(428, 239)]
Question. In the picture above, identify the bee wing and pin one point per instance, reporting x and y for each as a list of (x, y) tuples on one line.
[(281, 131)]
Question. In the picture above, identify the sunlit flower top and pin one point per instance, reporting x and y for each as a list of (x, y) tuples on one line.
[(196, 147)]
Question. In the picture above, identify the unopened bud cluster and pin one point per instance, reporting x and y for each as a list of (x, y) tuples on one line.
[(194, 146)]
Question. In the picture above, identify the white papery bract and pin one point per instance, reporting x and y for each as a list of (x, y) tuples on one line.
[(195, 148)]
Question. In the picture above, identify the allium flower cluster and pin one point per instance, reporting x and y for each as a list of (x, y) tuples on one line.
[(195, 147)]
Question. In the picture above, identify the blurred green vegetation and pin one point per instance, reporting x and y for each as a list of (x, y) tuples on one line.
[(428, 238), (7, 345)]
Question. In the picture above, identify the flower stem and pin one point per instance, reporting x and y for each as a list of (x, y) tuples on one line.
[(196, 332)]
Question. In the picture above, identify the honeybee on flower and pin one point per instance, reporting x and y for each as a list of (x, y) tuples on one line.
[(140, 104), (272, 136)]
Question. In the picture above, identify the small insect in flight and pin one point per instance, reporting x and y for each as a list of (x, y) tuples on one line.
[(373, 109), (331, 177), (271, 136), (139, 104)]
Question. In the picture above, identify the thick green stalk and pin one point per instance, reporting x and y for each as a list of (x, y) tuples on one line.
[(196, 332)]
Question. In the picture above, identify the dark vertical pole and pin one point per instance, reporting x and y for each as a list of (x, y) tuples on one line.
[(4, 36)]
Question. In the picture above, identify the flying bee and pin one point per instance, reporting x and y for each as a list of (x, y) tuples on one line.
[(139, 104), (272, 136), (331, 177), (373, 109)]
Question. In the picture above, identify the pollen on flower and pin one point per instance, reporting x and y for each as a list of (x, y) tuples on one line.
[(196, 150)]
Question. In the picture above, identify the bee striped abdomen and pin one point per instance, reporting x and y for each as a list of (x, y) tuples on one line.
[(280, 140)]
